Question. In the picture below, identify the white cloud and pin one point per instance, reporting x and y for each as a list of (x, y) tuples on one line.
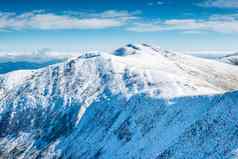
[(192, 32), (117, 14), (146, 27), (159, 3), (44, 20), (215, 23), (130, 21), (219, 3)]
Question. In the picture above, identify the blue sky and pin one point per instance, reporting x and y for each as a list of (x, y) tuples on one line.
[(207, 26)]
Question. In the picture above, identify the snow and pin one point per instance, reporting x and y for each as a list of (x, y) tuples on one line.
[(138, 102), (13, 79), (230, 59), (180, 75)]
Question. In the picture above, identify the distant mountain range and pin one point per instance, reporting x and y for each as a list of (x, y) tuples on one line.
[(231, 59), (10, 61), (139, 101), (24, 65), (226, 58)]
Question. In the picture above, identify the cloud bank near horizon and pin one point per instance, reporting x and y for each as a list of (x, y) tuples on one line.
[(129, 21), (215, 23), (219, 4)]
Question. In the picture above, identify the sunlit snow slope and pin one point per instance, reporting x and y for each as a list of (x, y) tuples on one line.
[(137, 102)]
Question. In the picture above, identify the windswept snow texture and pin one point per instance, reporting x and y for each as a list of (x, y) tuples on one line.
[(137, 102), (230, 59)]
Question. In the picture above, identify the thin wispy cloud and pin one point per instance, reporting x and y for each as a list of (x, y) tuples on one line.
[(219, 4), (123, 14), (158, 3), (49, 21), (130, 21), (147, 27), (215, 23), (192, 32)]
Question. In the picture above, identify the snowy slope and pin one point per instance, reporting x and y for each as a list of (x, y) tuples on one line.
[(230, 59), (11, 80), (137, 102)]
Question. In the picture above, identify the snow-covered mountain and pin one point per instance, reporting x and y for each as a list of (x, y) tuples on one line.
[(231, 59), (137, 102)]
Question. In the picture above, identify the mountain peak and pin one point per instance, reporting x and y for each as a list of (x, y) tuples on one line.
[(102, 106), (129, 49), (140, 49)]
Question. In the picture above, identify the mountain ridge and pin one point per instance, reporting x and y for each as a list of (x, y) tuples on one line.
[(145, 103)]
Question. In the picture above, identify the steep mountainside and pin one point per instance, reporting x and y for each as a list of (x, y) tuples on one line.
[(137, 102), (11, 80)]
